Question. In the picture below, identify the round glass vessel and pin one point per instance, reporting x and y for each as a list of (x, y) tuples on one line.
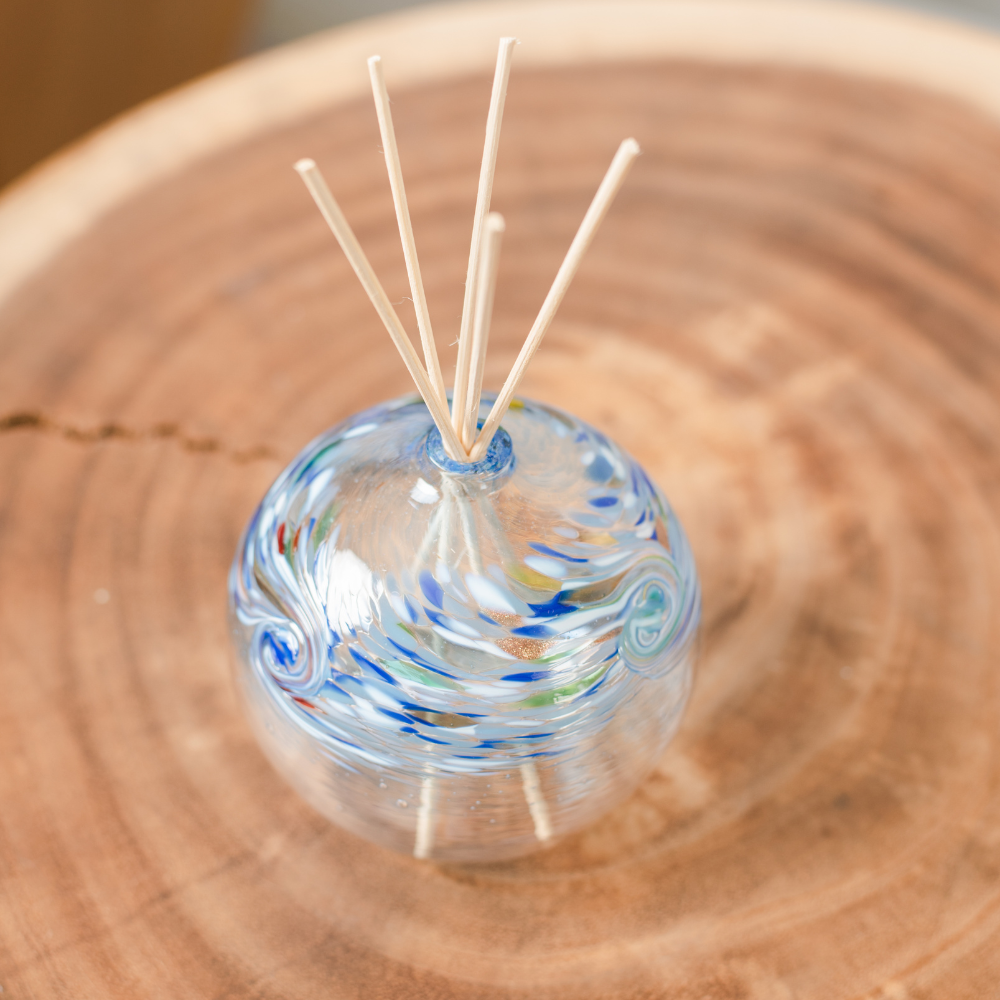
[(464, 662)]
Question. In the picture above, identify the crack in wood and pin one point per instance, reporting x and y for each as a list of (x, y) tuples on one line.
[(28, 420)]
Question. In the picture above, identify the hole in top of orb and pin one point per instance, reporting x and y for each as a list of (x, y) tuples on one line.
[(498, 460)]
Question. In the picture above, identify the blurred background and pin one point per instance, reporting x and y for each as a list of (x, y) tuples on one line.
[(67, 66)]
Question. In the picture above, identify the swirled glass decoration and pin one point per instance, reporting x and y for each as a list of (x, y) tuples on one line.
[(464, 662)]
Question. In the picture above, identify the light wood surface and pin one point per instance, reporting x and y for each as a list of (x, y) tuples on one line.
[(792, 318)]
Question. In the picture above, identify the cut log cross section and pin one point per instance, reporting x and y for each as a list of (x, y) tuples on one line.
[(792, 320)]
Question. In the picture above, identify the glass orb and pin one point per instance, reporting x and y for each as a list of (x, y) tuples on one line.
[(460, 662)]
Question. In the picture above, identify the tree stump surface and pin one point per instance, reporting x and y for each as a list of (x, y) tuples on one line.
[(791, 317)]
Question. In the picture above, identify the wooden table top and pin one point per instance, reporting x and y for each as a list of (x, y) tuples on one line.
[(791, 317)]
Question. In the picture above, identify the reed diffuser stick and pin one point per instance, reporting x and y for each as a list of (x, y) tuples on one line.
[(485, 193), (623, 159), (458, 429), (330, 210), (424, 841), (486, 281), (537, 806), (431, 362)]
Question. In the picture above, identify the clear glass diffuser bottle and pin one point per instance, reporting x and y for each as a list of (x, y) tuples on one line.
[(464, 662)]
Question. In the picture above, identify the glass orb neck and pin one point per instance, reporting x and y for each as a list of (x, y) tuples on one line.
[(499, 456)]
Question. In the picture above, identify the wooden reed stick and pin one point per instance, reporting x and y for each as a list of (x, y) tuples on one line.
[(487, 282), (444, 531), (431, 362), (627, 152), (497, 533), (328, 206), (424, 841), (469, 532), (537, 805), (430, 537), (486, 172)]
